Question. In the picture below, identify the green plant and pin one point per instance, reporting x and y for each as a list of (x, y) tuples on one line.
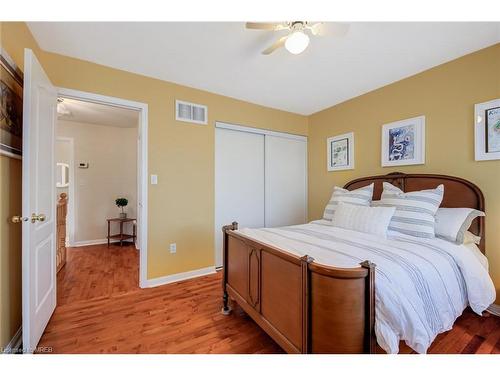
[(121, 202)]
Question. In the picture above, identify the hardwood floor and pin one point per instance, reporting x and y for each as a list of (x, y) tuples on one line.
[(102, 310), (96, 271)]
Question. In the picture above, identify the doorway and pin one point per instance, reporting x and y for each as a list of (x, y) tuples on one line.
[(140, 205), (96, 192)]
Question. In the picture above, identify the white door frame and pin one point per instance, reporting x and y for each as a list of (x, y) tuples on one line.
[(142, 166), (71, 189)]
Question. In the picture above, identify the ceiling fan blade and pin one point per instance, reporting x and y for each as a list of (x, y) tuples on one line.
[(338, 28), (264, 25), (317, 28), (278, 44)]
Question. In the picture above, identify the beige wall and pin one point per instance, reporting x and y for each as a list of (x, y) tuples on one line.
[(446, 96), (10, 235), (112, 156), (181, 154), (10, 249)]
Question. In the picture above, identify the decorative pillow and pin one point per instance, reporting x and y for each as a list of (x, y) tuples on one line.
[(374, 220), (414, 210), (452, 223), (360, 197)]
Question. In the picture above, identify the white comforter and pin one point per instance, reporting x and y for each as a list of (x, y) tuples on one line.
[(421, 286)]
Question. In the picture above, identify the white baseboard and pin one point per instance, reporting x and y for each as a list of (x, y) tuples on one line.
[(150, 283), (94, 242), (16, 343), (494, 309)]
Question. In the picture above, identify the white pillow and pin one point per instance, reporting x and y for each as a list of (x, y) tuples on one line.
[(452, 223), (471, 238), (361, 197), (374, 220), (415, 210)]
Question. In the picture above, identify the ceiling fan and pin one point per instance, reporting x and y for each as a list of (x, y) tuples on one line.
[(297, 39)]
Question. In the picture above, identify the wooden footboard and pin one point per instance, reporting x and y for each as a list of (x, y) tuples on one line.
[(304, 306)]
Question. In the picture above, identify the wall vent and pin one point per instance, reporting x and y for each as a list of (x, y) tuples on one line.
[(190, 112)]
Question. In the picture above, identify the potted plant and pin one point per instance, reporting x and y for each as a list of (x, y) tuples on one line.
[(122, 202)]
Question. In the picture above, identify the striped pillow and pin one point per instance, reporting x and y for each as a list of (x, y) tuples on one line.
[(359, 197), (414, 210)]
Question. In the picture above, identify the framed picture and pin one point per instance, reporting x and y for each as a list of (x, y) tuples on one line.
[(11, 108), (403, 142), (340, 152), (487, 130)]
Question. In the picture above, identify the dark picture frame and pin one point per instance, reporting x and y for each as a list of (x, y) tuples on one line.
[(342, 141), (11, 108), (340, 152)]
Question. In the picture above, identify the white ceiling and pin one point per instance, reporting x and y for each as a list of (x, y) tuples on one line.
[(97, 114), (225, 58)]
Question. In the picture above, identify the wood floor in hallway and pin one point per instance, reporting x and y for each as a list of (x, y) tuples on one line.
[(101, 309)]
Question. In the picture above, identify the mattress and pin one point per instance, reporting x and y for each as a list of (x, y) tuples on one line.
[(421, 284)]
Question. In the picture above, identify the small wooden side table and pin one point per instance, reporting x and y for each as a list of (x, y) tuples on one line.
[(121, 236)]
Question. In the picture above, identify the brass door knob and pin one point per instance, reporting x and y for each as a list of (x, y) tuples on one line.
[(18, 219), (35, 217)]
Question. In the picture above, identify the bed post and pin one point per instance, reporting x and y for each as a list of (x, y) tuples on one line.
[(306, 303), (226, 309), (370, 339)]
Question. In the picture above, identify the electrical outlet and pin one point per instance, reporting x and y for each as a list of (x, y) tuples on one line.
[(173, 248)]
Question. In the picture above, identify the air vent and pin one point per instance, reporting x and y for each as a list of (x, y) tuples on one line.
[(190, 112)]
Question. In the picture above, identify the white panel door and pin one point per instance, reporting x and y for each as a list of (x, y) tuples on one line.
[(39, 206), (286, 181), (239, 182)]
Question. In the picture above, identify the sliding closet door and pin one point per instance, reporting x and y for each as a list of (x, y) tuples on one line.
[(286, 181), (239, 182)]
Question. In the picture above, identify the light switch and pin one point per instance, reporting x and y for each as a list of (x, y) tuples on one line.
[(154, 179)]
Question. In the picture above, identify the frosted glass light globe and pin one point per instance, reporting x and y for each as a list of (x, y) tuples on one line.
[(297, 42)]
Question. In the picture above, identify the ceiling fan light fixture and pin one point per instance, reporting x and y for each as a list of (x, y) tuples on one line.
[(297, 42)]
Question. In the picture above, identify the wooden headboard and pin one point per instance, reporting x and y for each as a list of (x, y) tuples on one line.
[(457, 192)]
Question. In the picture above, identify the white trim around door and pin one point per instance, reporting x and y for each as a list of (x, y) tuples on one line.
[(248, 129), (142, 167)]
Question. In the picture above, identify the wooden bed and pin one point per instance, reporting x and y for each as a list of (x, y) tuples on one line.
[(308, 307)]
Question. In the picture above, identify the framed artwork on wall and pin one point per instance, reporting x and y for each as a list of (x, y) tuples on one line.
[(11, 108), (487, 130), (403, 142), (340, 152)]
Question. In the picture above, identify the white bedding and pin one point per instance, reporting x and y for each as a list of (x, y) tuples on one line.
[(421, 284)]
